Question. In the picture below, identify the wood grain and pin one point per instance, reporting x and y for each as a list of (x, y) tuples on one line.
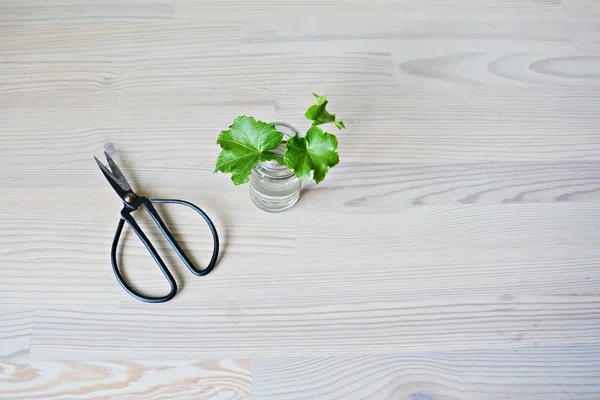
[(377, 327), (452, 254), (15, 333), (225, 379), (534, 373), (583, 19), (74, 12)]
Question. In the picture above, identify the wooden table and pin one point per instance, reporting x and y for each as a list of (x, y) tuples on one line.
[(453, 254)]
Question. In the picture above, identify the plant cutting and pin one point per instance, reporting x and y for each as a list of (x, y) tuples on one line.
[(274, 157)]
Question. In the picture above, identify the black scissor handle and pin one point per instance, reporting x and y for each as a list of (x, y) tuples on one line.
[(127, 217)]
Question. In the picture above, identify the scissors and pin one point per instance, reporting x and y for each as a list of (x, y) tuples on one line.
[(132, 202)]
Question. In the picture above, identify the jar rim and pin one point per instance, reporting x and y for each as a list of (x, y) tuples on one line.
[(270, 168)]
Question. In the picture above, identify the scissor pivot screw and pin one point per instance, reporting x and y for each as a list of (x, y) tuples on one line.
[(130, 197)]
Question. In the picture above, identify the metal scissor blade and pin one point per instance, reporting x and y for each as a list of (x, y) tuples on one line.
[(115, 177), (117, 173)]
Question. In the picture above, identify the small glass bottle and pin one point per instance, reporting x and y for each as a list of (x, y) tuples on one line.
[(273, 187)]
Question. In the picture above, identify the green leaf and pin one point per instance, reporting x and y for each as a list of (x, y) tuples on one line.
[(246, 143), (319, 115), (315, 152), (320, 99)]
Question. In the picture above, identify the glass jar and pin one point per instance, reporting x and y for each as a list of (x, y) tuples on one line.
[(273, 187)]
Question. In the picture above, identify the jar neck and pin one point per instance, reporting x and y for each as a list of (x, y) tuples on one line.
[(273, 169)]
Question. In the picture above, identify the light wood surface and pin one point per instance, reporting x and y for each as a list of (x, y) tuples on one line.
[(226, 379), (453, 254)]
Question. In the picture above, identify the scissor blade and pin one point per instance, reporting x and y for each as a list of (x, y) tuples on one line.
[(117, 173), (113, 180)]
